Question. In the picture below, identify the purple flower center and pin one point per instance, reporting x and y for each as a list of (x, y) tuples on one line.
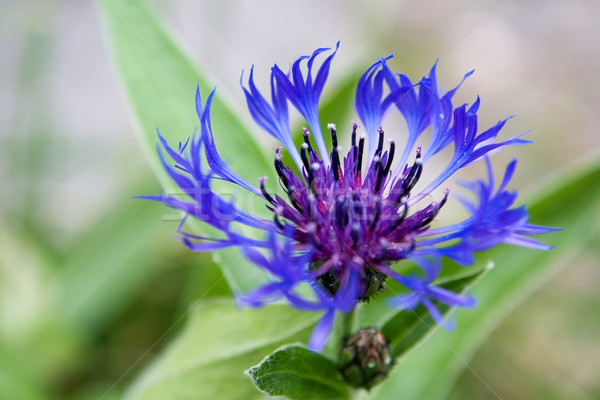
[(353, 220)]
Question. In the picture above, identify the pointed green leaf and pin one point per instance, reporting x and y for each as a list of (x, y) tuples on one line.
[(208, 359), (298, 374), (159, 80), (572, 203)]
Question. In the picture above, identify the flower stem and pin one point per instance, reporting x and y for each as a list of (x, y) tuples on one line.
[(349, 322)]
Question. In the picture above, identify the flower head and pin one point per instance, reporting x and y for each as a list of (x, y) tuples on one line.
[(346, 217)]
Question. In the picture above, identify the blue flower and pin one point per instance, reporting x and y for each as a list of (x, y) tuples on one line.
[(348, 217)]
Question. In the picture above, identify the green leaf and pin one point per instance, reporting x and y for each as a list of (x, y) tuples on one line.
[(429, 371), (208, 359), (298, 374), (159, 81), (407, 328)]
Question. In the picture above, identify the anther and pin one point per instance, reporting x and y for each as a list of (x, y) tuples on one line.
[(355, 233), (335, 163), (380, 173), (280, 168), (380, 142), (334, 141), (264, 191), (303, 155), (435, 209), (403, 211), (397, 193), (401, 215), (358, 207), (446, 193), (306, 134), (377, 213), (390, 157), (361, 148), (278, 222), (353, 143), (414, 174), (311, 177), (354, 127), (341, 216), (292, 195)]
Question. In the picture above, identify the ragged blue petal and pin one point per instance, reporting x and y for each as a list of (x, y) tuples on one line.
[(304, 93)]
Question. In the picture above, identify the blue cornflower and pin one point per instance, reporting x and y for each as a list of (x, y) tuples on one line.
[(349, 217)]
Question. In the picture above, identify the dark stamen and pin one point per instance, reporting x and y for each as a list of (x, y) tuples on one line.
[(390, 158), (335, 157), (380, 143), (377, 212), (435, 210), (311, 178), (379, 170), (398, 192), (278, 222), (334, 141), (292, 195), (432, 215), (358, 207), (279, 167), (265, 193), (355, 233), (361, 148), (446, 192), (341, 216), (400, 216), (304, 157), (307, 139), (335, 163), (353, 147), (414, 174)]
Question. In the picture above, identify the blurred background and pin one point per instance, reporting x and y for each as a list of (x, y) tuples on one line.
[(90, 279)]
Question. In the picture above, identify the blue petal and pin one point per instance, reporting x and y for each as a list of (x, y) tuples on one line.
[(405, 302), (318, 339), (468, 146), (493, 222), (215, 162), (272, 118), (450, 298), (444, 323), (371, 106), (304, 94)]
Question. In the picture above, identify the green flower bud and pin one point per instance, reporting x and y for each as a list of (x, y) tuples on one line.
[(365, 359)]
